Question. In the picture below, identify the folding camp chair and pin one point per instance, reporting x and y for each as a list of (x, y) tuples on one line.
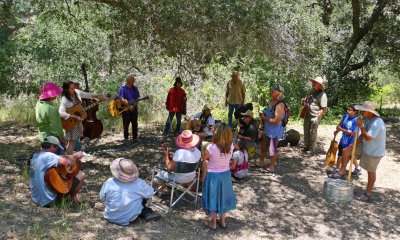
[(180, 167)]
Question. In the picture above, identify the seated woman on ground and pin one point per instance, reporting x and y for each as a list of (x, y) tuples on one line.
[(239, 163), (125, 194), (188, 153), (207, 122)]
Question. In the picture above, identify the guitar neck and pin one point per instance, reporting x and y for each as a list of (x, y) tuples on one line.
[(91, 106)]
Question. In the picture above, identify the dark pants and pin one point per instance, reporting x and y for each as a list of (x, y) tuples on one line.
[(169, 121), (129, 117)]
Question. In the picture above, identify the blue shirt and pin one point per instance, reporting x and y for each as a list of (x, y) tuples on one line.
[(129, 93), (40, 163), (348, 124), (124, 200), (375, 128), (272, 130)]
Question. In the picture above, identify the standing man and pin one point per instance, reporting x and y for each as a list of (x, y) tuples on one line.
[(371, 147), (235, 94), (130, 93), (316, 104)]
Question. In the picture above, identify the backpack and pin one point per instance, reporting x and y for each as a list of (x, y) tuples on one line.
[(287, 111)]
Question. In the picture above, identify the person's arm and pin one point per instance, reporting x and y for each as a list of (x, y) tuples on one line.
[(167, 101), (324, 106), (144, 189), (279, 109), (55, 123), (102, 193), (205, 155), (169, 163), (232, 164), (367, 135), (70, 159), (227, 93), (63, 107), (243, 92)]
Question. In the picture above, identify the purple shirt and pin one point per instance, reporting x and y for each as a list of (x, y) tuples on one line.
[(129, 93), (218, 162)]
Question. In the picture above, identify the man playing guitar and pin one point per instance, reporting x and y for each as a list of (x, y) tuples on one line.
[(42, 192), (131, 93)]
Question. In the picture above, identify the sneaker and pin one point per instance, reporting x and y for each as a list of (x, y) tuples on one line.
[(356, 172)]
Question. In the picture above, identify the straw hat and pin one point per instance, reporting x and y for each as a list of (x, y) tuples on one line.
[(124, 170), (319, 80), (206, 107), (187, 140), (50, 90), (367, 107), (248, 113)]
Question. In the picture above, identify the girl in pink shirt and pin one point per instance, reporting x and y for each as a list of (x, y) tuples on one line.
[(218, 196)]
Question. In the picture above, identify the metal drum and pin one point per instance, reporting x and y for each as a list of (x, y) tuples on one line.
[(336, 190)]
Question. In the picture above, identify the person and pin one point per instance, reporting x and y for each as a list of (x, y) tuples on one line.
[(69, 99), (218, 196), (239, 164), (176, 105), (316, 104), (131, 93), (273, 129), (234, 95), (44, 160), (187, 152), (248, 132), (125, 194), (371, 147), (347, 125), (47, 117), (207, 122)]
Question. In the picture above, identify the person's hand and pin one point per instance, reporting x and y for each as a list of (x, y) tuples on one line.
[(131, 108), (338, 129), (303, 101), (62, 139), (360, 122), (102, 98), (77, 118), (78, 155)]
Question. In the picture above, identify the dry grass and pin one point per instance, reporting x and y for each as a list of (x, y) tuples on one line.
[(286, 206)]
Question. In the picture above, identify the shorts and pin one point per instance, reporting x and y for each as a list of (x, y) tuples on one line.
[(340, 151), (369, 163), (179, 177), (271, 144)]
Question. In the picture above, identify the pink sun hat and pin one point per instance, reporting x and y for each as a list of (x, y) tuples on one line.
[(124, 170), (50, 90), (187, 140)]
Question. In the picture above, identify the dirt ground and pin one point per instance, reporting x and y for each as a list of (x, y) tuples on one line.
[(289, 205)]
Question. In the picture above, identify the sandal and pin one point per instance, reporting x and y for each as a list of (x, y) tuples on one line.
[(364, 197), (208, 225), (335, 175), (270, 171), (221, 225), (259, 165)]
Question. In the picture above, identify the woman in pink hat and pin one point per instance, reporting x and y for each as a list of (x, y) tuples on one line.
[(187, 152), (47, 117)]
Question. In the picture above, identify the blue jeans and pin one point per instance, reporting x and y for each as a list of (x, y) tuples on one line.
[(169, 120), (232, 108)]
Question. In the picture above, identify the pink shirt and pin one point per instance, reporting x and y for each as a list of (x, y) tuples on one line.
[(218, 162)]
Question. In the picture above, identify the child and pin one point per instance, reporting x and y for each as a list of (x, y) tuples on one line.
[(218, 196), (239, 164), (348, 126), (124, 194)]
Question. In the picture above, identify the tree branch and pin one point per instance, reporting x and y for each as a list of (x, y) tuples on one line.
[(356, 6)]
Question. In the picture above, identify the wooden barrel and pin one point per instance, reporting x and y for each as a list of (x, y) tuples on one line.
[(336, 190)]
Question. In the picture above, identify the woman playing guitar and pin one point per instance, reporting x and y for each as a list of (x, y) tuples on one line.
[(70, 99)]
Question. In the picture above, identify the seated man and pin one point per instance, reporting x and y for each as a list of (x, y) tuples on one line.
[(248, 129), (124, 194), (42, 162), (207, 123), (188, 152)]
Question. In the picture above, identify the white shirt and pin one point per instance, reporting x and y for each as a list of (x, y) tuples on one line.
[(376, 129), (240, 157), (65, 103), (124, 200)]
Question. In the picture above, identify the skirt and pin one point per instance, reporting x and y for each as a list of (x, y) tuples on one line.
[(75, 133), (218, 196)]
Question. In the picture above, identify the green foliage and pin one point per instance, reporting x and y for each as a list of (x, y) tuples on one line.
[(18, 109)]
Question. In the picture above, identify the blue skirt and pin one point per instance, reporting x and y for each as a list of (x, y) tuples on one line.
[(218, 196)]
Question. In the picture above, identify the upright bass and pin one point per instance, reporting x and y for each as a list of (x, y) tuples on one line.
[(92, 126)]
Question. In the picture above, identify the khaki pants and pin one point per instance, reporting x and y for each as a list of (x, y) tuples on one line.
[(310, 132)]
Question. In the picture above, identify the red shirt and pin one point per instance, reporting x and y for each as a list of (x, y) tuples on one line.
[(176, 100)]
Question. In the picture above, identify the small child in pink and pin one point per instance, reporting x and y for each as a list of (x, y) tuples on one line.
[(239, 164)]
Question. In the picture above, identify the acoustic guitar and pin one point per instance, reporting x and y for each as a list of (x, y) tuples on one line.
[(331, 153), (194, 125), (117, 106), (59, 179), (77, 110)]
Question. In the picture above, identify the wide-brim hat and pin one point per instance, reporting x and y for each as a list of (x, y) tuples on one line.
[(248, 113), (367, 107), (187, 140), (50, 90), (124, 170), (320, 80), (53, 140), (206, 107)]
